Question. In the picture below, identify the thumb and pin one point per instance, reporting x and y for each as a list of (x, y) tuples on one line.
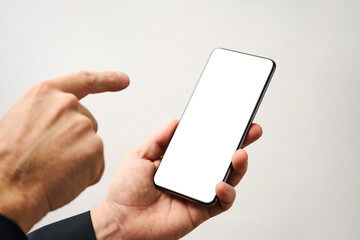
[(84, 82), (153, 148)]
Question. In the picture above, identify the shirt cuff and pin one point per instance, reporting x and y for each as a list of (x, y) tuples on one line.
[(9, 230), (78, 227)]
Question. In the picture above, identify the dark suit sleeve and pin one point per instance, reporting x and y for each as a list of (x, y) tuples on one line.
[(10, 230), (78, 227)]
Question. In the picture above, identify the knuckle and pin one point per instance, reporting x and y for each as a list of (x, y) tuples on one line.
[(98, 145), (86, 123), (95, 125), (42, 87), (87, 77), (81, 125), (99, 172), (83, 73), (71, 99), (68, 101), (99, 162)]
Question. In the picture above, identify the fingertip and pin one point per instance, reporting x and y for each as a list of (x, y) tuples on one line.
[(123, 81), (170, 127), (174, 122), (220, 188), (241, 153), (169, 130), (254, 134), (240, 161), (226, 194), (257, 130)]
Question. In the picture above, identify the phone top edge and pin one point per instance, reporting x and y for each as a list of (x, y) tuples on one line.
[(253, 55)]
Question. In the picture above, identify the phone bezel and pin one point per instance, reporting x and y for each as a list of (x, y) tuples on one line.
[(213, 202)]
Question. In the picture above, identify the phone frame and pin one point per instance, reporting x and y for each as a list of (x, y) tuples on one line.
[(213, 202)]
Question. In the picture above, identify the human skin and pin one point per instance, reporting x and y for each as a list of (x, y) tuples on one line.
[(135, 209), (49, 149)]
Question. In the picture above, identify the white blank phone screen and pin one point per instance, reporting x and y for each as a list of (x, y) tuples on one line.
[(214, 122)]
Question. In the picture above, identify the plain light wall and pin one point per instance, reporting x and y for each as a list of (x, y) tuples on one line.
[(303, 180)]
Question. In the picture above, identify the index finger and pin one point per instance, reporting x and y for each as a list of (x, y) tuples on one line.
[(83, 83)]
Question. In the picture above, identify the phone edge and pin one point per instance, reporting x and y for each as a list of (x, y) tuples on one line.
[(262, 94)]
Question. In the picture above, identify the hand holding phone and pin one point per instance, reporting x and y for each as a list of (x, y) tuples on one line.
[(145, 212)]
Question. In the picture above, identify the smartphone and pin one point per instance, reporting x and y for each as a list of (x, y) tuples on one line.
[(214, 125)]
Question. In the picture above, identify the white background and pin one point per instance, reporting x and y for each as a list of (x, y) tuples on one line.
[(303, 180)]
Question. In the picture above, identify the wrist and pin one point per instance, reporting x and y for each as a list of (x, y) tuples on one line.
[(18, 202), (18, 207), (106, 223)]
